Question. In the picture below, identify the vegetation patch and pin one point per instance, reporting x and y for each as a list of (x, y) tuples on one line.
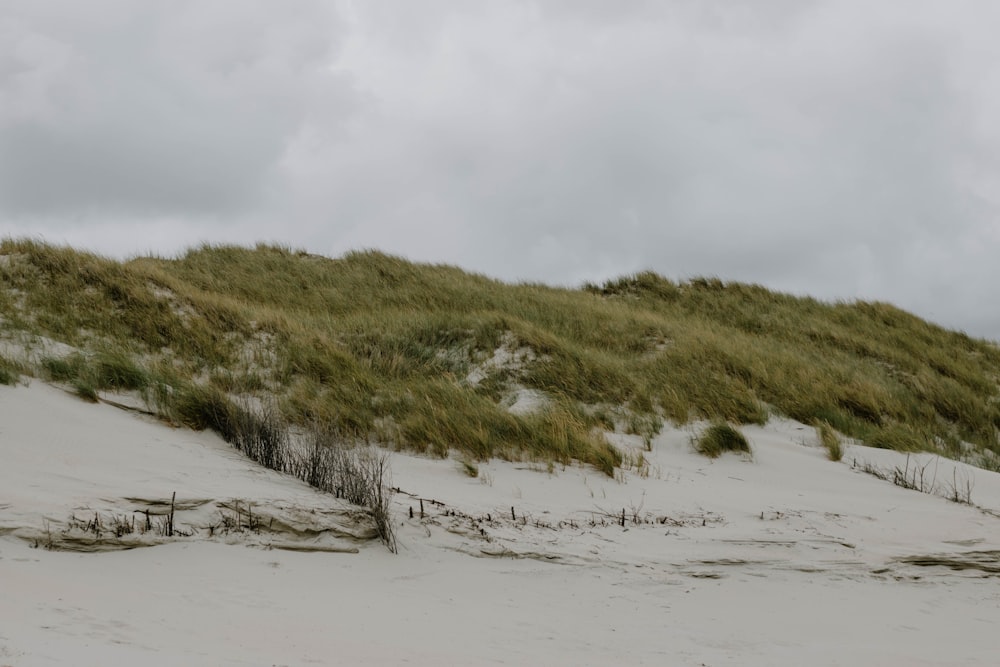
[(63, 369), (900, 437), (102, 370), (321, 457), (830, 441), (117, 371), (720, 438), (424, 356), (10, 372)]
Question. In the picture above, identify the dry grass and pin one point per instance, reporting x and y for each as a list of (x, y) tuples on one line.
[(720, 438), (10, 372), (379, 348), (830, 441)]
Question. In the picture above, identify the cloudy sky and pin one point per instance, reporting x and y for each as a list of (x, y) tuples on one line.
[(839, 148)]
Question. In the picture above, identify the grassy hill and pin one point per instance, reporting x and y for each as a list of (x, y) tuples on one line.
[(432, 358)]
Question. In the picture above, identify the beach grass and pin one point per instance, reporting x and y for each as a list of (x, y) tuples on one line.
[(424, 357), (830, 440), (10, 372), (720, 438)]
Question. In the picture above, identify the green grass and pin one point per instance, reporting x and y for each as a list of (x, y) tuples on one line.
[(10, 372), (63, 369), (901, 437), (469, 468), (720, 438), (104, 369), (84, 389), (378, 348), (830, 441)]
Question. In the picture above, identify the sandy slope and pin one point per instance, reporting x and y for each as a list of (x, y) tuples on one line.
[(786, 560)]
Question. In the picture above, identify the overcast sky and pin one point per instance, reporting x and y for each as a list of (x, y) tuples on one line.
[(842, 149)]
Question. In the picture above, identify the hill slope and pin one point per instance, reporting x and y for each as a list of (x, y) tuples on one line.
[(433, 358)]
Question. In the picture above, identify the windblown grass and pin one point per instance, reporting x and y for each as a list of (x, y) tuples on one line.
[(10, 372), (830, 441), (379, 348), (103, 370), (323, 459), (720, 438)]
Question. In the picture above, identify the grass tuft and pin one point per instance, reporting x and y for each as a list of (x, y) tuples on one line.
[(63, 369), (361, 475), (104, 370), (720, 438), (115, 370), (324, 460), (84, 389), (10, 372), (469, 467), (830, 440)]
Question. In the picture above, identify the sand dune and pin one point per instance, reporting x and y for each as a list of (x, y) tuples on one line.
[(785, 559)]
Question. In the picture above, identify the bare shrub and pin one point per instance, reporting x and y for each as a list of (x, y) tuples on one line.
[(322, 459), (871, 469), (914, 478), (358, 474), (917, 478), (261, 434), (960, 488)]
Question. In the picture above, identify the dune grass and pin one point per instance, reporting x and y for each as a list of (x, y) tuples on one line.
[(10, 372), (381, 349), (720, 438), (830, 441), (102, 370)]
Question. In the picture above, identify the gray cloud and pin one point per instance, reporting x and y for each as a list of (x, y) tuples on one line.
[(139, 109), (835, 148)]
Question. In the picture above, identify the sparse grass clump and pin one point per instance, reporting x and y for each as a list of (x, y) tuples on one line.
[(469, 468), (104, 370), (259, 432), (830, 441), (10, 372), (358, 474), (720, 438), (74, 371), (323, 459), (63, 369), (84, 389), (117, 371)]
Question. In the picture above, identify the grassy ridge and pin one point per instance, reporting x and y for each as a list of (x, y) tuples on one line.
[(382, 348)]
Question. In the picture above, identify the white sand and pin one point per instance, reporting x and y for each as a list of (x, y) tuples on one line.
[(797, 563)]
